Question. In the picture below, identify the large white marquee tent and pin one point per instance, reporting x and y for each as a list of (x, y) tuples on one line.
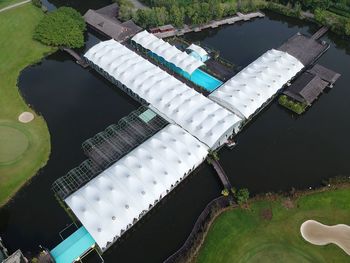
[(168, 52), (247, 91), (201, 117), (113, 201)]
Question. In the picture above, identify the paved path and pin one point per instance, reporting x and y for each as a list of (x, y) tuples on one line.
[(14, 5)]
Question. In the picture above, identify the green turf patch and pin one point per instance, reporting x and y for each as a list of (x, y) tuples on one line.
[(17, 52), (246, 236), (13, 144)]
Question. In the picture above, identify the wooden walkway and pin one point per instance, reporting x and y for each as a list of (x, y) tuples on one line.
[(221, 173), (76, 56), (212, 24), (320, 33)]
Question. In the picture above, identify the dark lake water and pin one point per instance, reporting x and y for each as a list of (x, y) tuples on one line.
[(277, 151)]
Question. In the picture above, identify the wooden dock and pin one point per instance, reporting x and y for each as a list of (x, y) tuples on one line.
[(76, 56), (320, 33), (221, 173), (212, 24)]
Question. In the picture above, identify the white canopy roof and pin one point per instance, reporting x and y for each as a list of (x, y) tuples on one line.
[(167, 51), (111, 202), (247, 91), (201, 117), (199, 50)]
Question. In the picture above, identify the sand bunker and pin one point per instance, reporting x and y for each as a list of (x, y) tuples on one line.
[(26, 117), (319, 234)]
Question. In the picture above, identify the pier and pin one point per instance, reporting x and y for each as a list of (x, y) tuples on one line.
[(211, 24), (76, 56), (320, 33), (221, 173)]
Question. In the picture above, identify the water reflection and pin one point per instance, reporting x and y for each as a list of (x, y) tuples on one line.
[(275, 152)]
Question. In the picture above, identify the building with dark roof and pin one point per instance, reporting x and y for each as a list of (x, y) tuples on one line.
[(310, 84), (305, 49), (104, 21)]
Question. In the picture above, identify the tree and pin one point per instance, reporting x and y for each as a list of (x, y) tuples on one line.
[(217, 9), (242, 196), (205, 13), (176, 16), (125, 13), (347, 28), (161, 15), (62, 27), (37, 3)]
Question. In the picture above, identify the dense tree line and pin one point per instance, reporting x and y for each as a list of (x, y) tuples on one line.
[(184, 11), (335, 14), (62, 27)]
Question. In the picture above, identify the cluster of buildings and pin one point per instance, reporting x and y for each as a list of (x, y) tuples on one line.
[(134, 164)]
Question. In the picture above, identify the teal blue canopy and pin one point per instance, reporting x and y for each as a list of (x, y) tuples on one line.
[(73, 247)]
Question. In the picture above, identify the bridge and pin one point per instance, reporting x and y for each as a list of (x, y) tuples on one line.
[(76, 56), (220, 172)]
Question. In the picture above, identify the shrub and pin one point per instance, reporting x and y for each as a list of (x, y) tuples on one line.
[(37, 3), (297, 107), (225, 192), (62, 27), (242, 196)]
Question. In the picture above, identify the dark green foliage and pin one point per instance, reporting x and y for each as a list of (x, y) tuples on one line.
[(37, 3), (62, 27), (126, 10), (338, 24), (242, 196), (285, 10)]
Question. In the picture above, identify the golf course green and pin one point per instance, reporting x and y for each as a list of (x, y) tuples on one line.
[(269, 231), (25, 147)]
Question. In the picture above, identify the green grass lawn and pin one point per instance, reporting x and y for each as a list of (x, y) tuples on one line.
[(19, 50), (246, 236)]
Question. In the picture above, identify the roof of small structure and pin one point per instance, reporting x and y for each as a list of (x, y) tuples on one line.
[(168, 52), (165, 27), (324, 73), (105, 21), (306, 88), (199, 50), (311, 83), (16, 257), (112, 202)]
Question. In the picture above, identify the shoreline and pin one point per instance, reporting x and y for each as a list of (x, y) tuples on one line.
[(38, 153), (192, 252)]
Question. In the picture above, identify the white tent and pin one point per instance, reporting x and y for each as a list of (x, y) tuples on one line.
[(201, 117), (168, 52), (113, 201), (247, 91), (201, 53)]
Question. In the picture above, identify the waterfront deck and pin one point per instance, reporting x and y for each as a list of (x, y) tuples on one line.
[(212, 24), (320, 33)]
